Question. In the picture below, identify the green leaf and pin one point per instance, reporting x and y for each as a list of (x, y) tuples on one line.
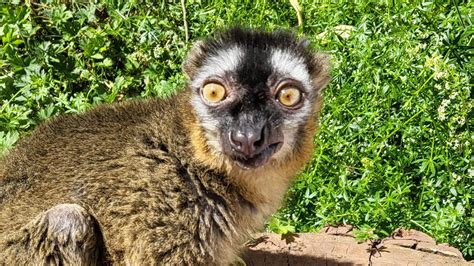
[(97, 56)]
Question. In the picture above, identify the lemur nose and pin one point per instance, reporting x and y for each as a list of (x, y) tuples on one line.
[(248, 141)]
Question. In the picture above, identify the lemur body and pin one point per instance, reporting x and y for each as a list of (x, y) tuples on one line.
[(183, 180)]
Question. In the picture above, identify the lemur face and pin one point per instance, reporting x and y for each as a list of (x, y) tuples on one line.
[(253, 93)]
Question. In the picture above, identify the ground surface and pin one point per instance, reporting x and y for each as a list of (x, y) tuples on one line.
[(337, 246)]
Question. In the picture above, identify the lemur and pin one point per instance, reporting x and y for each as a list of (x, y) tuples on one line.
[(182, 180)]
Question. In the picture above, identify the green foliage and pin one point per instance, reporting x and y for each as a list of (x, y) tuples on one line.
[(280, 227), (58, 58), (365, 233), (395, 142)]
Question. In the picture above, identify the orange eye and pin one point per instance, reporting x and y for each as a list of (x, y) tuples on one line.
[(289, 96), (213, 92)]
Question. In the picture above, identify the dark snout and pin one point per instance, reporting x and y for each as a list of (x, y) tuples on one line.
[(252, 144), (249, 140)]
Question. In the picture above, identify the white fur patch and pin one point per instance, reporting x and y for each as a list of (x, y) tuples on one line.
[(223, 61), (217, 65), (286, 63)]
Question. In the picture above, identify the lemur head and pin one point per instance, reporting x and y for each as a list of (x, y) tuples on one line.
[(254, 95)]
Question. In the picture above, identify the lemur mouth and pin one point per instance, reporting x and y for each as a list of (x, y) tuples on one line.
[(258, 159)]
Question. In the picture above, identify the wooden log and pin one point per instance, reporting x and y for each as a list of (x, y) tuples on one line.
[(337, 246)]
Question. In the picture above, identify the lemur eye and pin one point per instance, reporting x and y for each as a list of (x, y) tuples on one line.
[(289, 96), (213, 92)]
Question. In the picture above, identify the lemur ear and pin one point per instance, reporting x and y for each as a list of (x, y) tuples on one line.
[(321, 72), (194, 59)]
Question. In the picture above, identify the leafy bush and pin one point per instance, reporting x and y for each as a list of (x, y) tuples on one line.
[(395, 142)]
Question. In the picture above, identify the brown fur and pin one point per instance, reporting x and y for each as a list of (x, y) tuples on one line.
[(134, 183)]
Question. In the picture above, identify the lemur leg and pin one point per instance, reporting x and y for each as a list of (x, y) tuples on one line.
[(63, 235)]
